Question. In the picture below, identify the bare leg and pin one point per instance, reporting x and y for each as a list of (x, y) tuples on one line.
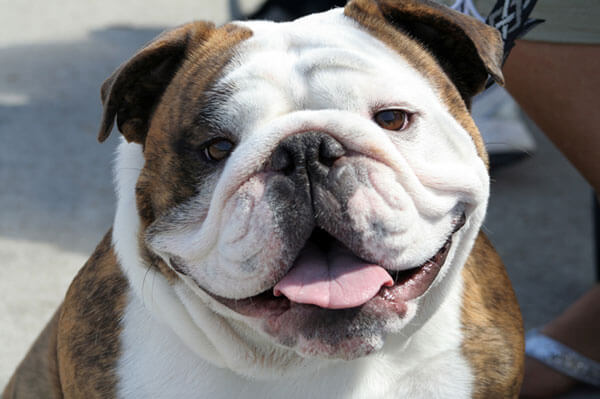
[(558, 86)]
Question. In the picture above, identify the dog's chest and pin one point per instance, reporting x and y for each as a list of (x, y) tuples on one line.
[(155, 363)]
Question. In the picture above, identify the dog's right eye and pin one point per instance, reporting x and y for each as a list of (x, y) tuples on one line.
[(217, 150), (392, 119)]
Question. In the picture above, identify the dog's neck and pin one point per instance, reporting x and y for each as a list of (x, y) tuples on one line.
[(188, 312)]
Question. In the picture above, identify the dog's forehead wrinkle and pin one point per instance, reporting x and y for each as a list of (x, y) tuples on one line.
[(305, 61)]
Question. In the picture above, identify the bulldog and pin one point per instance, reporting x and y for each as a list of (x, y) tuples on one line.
[(299, 212)]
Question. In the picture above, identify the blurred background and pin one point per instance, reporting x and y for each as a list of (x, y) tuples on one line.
[(56, 192)]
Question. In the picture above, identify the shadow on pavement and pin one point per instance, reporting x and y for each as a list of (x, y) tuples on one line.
[(55, 176)]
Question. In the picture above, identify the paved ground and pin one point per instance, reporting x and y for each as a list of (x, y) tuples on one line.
[(57, 200)]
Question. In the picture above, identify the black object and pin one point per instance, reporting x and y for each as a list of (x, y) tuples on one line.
[(511, 18), (286, 10)]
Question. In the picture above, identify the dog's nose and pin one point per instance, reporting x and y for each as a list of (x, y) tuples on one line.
[(311, 152)]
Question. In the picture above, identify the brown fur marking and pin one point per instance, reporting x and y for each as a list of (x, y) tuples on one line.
[(76, 354), (492, 325), (90, 325), (132, 91), (156, 97), (171, 173)]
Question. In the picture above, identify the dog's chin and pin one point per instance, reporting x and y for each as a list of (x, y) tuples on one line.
[(342, 332)]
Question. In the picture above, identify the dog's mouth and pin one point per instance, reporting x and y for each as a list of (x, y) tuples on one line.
[(328, 275)]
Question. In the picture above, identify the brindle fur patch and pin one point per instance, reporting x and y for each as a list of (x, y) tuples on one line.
[(90, 326), (492, 325), (76, 354)]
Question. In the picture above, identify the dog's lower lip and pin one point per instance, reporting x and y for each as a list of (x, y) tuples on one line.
[(402, 276), (412, 283)]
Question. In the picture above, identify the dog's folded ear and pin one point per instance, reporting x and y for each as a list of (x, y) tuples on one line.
[(467, 49), (132, 91)]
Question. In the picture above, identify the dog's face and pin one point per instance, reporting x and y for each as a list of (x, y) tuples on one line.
[(318, 182)]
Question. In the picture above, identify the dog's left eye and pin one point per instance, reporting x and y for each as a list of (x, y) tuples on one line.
[(392, 119), (218, 150)]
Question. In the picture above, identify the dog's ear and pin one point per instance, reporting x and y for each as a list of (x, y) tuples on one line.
[(133, 90), (467, 49)]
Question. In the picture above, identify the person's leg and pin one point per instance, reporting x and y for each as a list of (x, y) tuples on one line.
[(558, 86), (578, 327)]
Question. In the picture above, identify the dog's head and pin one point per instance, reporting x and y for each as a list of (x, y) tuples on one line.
[(317, 184)]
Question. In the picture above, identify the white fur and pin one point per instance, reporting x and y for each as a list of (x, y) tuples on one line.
[(156, 363), (179, 342)]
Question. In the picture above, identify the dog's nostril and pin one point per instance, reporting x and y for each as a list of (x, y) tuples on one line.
[(283, 161), (330, 150)]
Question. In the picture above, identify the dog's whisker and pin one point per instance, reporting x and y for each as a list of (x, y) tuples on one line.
[(148, 268), (136, 169)]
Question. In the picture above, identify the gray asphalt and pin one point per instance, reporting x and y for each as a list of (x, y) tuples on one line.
[(57, 200)]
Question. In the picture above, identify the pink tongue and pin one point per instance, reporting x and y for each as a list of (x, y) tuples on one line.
[(333, 280)]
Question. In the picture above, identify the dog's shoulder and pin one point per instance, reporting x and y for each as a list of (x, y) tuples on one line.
[(89, 326), (75, 355), (492, 325), (76, 352)]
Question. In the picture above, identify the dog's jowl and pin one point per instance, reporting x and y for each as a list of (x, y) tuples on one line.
[(298, 216)]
